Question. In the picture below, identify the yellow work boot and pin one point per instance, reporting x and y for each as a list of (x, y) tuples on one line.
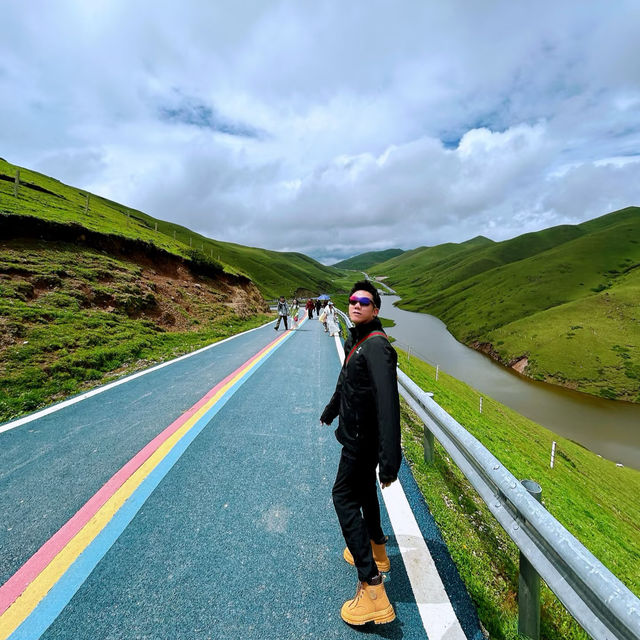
[(379, 555), (370, 604)]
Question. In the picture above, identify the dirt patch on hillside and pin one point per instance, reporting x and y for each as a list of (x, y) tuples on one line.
[(181, 300), (167, 292), (518, 364), (72, 317)]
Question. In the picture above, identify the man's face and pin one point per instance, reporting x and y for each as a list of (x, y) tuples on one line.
[(360, 313)]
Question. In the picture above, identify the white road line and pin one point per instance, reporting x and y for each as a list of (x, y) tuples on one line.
[(106, 387), (438, 617), (339, 348)]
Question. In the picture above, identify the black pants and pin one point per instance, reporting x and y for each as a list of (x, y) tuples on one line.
[(310, 313), (285, 322), (355, 498)]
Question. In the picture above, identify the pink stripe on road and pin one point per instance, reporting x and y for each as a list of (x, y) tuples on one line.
[(14, 587)]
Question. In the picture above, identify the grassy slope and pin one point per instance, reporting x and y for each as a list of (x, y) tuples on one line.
[(411, 265), (366, 260), (272, 272), (595, 500), (71, 319), (565, 297)]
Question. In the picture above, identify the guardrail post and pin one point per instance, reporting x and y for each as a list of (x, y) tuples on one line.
[(427, 441), (427, 445), (529, 584)]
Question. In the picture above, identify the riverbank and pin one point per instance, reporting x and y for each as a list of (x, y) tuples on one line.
[(606, 427), (596, 356), (591, 496)]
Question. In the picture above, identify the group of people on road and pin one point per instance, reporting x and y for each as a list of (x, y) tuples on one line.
[(324, 309), (284, 312), (367, 406)]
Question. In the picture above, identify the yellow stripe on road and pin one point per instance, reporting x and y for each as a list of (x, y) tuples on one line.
[(34, 593)]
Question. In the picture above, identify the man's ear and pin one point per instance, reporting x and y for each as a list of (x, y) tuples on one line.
[(375, 312)]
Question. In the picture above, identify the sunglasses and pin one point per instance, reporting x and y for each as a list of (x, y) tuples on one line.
[(365, 302)]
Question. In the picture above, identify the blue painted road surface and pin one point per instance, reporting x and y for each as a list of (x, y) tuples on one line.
[(194, 501)]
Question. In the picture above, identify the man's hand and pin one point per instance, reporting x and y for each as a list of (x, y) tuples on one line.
[(384, 485), (324, 419)]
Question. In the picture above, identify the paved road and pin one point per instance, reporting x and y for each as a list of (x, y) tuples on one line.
[(194, 502)]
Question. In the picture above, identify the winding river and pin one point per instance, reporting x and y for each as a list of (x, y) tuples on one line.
[(608, 428)]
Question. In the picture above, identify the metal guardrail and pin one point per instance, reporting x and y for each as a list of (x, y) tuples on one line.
[(604, 607)]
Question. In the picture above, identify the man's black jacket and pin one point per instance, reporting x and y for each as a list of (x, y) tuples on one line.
[(366, 399)]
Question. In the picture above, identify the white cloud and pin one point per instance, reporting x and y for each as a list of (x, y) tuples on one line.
[(327, 128)]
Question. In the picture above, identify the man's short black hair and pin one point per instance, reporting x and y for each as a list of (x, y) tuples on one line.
[(365, 285)]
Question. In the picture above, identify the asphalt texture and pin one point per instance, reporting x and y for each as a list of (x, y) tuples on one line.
[(239, 539)]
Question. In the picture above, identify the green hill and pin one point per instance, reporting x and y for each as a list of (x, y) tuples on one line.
[(367, 260), (562, 302), (91, 290), (47, 199)]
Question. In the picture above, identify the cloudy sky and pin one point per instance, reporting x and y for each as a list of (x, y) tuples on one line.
[(328, 127)]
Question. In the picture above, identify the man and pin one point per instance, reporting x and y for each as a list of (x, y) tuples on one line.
[(366, 401), (283, 312)]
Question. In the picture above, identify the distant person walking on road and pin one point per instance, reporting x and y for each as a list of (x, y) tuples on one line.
[(318, 307), (332, 320), (322, 317), (310, 306), (366, 401), (283, 312), (295, 310)]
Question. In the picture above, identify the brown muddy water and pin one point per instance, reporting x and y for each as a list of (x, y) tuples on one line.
[(606, 427)]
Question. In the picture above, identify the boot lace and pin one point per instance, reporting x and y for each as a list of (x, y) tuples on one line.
[(359, 594)]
